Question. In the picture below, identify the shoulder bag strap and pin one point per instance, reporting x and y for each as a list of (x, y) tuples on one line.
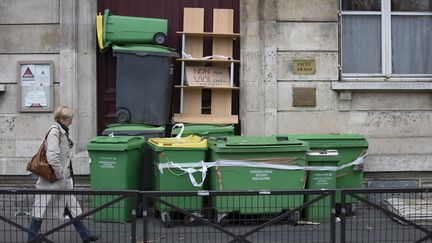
[(46, 136)]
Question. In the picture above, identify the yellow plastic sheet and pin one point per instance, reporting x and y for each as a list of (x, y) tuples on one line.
[(191, 141)]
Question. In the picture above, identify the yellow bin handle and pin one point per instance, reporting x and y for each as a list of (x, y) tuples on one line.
[(99, 30)]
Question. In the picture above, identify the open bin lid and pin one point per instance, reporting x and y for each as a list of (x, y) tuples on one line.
[(101, 22), (259, 144), (204, 129), (323, 155), (133, 129), (331, 141), (99, 31), (146, 49), (115, 143), (189, 142)]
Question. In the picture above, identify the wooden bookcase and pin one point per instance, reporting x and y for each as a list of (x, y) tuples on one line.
[(192, 55)]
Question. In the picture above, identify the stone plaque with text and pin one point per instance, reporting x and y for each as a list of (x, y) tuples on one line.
[(304, 66), (304, 96)]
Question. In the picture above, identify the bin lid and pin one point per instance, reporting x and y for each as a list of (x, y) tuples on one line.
[(257, 143), (189, 142), (99, 31), (331, 141), (115, 143), (101, 27), (133, 128), (146, 49), (204, 129), (323, 155)]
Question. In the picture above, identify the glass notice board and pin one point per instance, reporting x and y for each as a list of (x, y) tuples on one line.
[(35, 86)]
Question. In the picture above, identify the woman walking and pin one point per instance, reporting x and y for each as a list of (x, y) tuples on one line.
[(58, 147)]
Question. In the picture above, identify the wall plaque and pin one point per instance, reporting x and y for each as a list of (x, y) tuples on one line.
[(304, 96), (35, 86), (304, 66)]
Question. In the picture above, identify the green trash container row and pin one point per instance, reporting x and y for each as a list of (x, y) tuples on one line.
[(115, 165), (321, 179), (256, 149), (203, 130), (145, 131), (127, 151), (191, 149)]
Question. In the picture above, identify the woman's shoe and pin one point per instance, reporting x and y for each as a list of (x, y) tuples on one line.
[(93, 238)]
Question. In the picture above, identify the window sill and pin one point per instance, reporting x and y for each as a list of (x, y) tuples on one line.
[(382, 79), (390, 86), (345, 89)]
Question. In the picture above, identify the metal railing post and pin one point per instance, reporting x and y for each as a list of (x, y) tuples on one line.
[(145, 217), (343, 217), (134, 210), (333, 217)]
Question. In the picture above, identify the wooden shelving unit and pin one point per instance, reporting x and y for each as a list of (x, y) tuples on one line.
[(205, 87), (192, 55), (208, 60), (210, 34)]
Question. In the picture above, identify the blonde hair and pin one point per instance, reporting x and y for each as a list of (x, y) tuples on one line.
[(63, 112)]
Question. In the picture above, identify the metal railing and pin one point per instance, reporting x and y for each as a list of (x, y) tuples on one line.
[(239, 216), (102, 212), (361, 215)]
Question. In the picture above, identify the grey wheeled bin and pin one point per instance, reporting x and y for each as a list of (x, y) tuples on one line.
[(144, 83)]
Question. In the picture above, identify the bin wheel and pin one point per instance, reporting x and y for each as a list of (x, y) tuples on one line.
[(350, 210), (224, 222), (159, 38), (166, 219), (221, 219), (123, 115), (293, 218), (189, 221), (156, 213)]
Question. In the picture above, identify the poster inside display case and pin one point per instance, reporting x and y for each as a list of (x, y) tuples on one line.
[(35, 86)]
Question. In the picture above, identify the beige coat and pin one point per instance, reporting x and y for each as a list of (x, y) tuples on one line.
[(58, 155)]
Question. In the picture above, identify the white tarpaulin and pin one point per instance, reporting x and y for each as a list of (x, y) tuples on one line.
[(202, 167)]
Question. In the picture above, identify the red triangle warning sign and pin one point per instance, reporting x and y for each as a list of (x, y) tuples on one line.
[(28, 74)]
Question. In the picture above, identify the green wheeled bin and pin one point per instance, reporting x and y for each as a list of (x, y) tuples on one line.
[(350, 148), (171, 158), (321, 179), (253, 176), (115, 164), (120, 30), (203, 130), (145, 131)]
